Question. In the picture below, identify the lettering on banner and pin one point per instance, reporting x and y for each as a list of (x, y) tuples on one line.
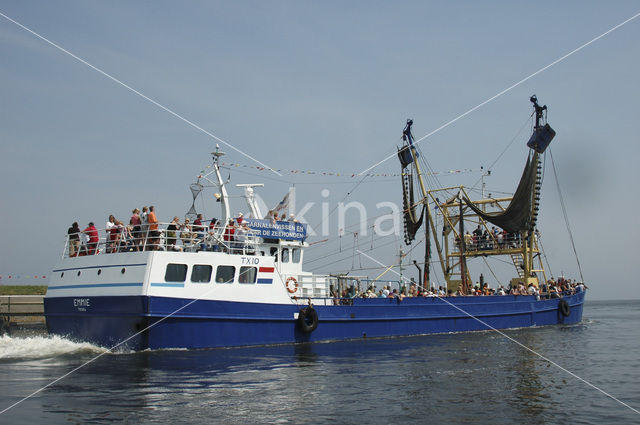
[(279, 230)]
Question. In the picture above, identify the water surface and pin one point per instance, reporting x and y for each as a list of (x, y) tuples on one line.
[(456, 378)]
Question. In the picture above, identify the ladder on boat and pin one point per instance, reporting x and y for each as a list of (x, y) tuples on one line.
[(518, 262)]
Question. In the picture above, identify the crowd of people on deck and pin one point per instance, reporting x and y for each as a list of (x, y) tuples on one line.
[(143, 233), (497, 238), (547, 290)]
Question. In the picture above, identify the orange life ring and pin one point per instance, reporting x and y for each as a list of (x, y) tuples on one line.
[(295, 284)]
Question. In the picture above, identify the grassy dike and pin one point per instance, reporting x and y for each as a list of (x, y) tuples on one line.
[(23, 289)]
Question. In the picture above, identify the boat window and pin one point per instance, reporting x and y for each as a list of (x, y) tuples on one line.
[(225, 274), (175, 273), (295, 255), (285, 255), (247, 275), (201, 273)]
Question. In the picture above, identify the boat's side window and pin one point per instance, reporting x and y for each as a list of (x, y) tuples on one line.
[(247, 275), (201, 273), (175, 273), (285, 255), (225, 274), (295, 255)]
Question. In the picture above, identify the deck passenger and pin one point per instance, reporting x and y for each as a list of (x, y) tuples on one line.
[(198, 230), (413, 289), (336, 297), (477, 235), (129, 240), (121, 237), (212, 240), (144, 227), (186, 234), (152, 220), (110, 223), (272, 216), (171, 236), (240, 237), (92, 233), (136, 231), (229, 232), (352, 292), (74, 239), (500, 239), (110, 229), (468, 240)]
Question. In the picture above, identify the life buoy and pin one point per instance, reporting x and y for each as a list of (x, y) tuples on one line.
[(308, 319), (564, 308), (295, 284)]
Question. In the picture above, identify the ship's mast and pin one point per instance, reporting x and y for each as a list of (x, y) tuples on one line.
[(529, 245), (406, 134), (224, 198)]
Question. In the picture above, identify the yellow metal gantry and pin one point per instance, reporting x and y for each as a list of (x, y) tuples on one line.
[(522, 247)]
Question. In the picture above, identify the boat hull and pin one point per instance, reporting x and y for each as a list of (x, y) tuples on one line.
[(141, 322)]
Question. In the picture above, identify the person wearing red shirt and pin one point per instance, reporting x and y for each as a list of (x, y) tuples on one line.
[(136, 232), (229, 231), (92, 233)]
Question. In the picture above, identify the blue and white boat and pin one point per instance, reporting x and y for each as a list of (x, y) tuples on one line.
[(211, 291)]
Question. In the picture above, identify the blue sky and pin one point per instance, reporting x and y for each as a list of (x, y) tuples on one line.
[(322, 86)]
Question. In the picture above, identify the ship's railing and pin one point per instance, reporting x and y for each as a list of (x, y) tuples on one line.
[(329, 287), (326, 301), (508, 241), (190, 238)]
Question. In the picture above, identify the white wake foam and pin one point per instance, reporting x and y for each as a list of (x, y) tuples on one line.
[(42, 347)]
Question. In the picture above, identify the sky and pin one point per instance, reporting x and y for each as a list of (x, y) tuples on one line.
[(322, 87)]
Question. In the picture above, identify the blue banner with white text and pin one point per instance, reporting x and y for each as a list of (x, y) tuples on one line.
[(286, 230)]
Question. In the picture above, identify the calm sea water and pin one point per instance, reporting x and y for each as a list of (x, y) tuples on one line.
[(457, 378)]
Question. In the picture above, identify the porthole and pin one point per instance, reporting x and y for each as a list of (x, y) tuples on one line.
[(78, 272), (122, 271), (99, 272)]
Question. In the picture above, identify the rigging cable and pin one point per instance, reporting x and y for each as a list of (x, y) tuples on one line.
[(505, 149), (566, 217), (491, 270), (544, 255)]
